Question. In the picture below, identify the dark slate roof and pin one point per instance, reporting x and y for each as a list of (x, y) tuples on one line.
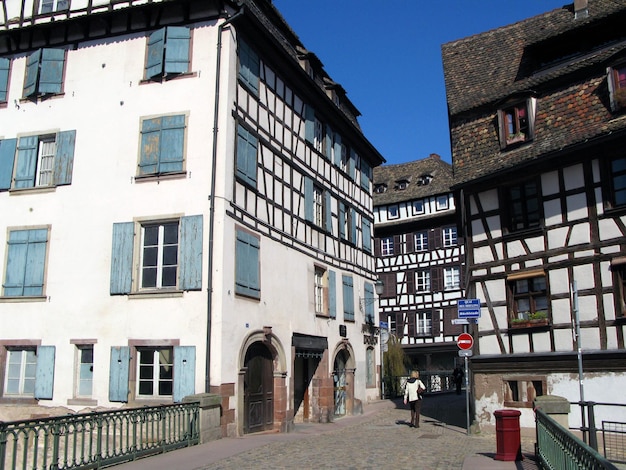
[(546, 56), (412, 172), (484, 68)]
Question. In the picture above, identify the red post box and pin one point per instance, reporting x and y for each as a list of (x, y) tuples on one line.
[(508, 441)]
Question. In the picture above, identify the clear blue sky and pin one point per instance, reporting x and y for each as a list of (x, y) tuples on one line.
[(387, 56)]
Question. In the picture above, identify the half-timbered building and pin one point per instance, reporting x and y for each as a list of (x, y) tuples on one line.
[(420, 261), (186, 202), (538, 131)]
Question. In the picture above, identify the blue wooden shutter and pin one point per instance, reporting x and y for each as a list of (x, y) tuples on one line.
[(64, 158), (309, 129), (26, 164), (353, 225), (191, 253), (154, 59), (249, 66), (246, 159), (122, 258), (247, 265), (337, 150), (32, 73), (332, 294), (369, 303), (51, 74), (150, 144), (309, 203), (329, 142), (7, 157), (184, 372), (367, 234), (4, 78), (26, 259), (342, 220), (177, 49), (328, 213), (44, 376), (365, 175), (119, 369), (351, 163), (172, 143), (348, 298)]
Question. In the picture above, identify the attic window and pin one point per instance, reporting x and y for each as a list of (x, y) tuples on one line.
[(380, 188), (424, 179), (401, 185), (516, 122), (617, 87)]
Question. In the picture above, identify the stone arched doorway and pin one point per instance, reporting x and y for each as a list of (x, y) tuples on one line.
[(343, 378), (258, 389)]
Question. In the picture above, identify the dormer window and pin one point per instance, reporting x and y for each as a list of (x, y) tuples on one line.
[(380, 188), (424, 179), (617, 87), (516, 123), (401, 185)]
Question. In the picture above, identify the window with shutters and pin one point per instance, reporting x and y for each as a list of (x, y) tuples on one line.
[(516, 123), (49, 6), (348, 297), (27, 369), (167, 253), (168, 53), (451, 277), (162, 146), (386, 246), (155, 372), (26, 263), (246, 159), (44, 73), (617, 87), (249, 67), (422, 280), (421, 241), (247, 264), (528, 300), (347, 222), (618, 267), (321, 292), (424, 324), (20, 373), (5, 66), (37, 161), (159, 255), (449, 236)]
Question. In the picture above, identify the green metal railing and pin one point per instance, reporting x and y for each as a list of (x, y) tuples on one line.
[(558, 449), (98, 439)]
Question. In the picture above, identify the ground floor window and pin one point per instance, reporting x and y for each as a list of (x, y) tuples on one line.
[(21, 372), (155, 372), (521, 391), (84, 372)]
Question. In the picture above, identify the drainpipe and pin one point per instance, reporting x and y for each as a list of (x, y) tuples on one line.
[(220, 28)]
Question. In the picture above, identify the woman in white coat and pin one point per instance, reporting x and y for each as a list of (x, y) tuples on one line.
[(413, 394)]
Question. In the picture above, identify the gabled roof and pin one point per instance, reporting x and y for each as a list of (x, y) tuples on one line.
[(414, 173)]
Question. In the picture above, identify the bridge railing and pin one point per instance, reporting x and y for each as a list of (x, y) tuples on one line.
[(557, 448), (97, 439)]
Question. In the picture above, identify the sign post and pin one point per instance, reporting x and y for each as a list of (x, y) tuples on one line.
[(465, 343)]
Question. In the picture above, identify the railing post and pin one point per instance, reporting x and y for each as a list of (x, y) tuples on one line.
[(583, 420), (593, 438), (55, 447), (3, 444)]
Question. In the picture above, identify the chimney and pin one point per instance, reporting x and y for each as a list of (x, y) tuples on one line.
[(580, 9), (435, 156)]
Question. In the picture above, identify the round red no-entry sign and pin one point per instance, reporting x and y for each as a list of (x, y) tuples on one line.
[(465, 341)]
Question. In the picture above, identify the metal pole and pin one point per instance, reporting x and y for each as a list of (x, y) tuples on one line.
[(576, 318), (467, 396)]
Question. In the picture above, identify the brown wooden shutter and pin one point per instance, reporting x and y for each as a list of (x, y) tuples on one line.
[(377, 247), (410, 282), (410, 245), (435, 280), (389, 281), (411, 322), (435, 322), (397, 248)]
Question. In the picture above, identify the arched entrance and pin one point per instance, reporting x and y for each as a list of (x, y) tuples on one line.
[(340, 380), (258, 389)]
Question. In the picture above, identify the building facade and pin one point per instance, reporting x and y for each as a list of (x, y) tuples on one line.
[(186, 202), (538, 158), (420, 260)]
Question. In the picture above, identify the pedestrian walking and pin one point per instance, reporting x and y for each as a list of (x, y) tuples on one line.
[(457, 376), (413, 394)]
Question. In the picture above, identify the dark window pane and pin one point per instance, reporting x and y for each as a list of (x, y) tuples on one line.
[(169, 277), (170, 233), (150, 256), (149, 277), (170, 255), (151, 235)]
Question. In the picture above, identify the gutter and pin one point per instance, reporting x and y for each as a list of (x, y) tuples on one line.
[(220, 28)]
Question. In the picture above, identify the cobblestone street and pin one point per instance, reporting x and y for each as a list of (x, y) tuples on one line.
[(380, 438)]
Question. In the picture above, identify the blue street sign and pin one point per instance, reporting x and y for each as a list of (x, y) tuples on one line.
[(468, 308)]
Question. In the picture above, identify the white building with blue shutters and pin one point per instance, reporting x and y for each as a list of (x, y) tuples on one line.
[(186, 203)]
